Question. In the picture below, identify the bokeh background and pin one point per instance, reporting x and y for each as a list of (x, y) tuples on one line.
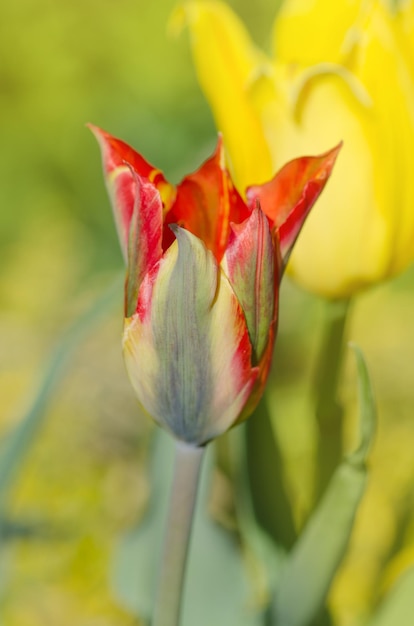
[(79, 478)]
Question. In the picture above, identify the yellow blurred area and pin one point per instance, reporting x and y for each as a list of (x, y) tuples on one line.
[(83, 480)]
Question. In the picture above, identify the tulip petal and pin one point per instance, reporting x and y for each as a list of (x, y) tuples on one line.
[(187, 348), (225, 60), (120, 162), (335, 254), (290, 195), (249, 263), (144, 239), (388, 74), (207, 201), (298, 25)]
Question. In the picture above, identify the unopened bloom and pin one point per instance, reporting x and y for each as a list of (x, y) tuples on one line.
[(201, 293), (339, 71)]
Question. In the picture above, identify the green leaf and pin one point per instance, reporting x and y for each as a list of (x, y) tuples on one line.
[(368, 414), (397, 609), (329, 412), (216, 587), (264, 462), (266, 554), (318, 553)]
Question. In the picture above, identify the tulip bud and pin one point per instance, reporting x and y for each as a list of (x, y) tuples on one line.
[(203, 274)]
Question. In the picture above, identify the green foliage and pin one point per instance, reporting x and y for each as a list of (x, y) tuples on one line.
[(315, 558), (398, 606), (269, 498)]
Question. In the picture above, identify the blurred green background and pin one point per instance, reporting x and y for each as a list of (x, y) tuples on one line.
[(83, 481)]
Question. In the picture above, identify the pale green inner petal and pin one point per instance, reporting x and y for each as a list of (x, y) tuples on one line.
[(181, 327)]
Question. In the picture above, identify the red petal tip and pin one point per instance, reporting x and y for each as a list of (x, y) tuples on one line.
[(98, 132), (330, 157)]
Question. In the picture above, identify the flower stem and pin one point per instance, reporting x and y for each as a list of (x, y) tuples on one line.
[(329, 412), (265, 477), (177, 536)]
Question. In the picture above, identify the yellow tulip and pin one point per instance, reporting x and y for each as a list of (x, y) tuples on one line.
[(340, 71)]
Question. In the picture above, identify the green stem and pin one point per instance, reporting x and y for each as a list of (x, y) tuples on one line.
[(265, 477), (177, 536), (329, 412)]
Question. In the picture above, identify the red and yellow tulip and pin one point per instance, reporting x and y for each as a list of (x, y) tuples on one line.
[(201, 293)]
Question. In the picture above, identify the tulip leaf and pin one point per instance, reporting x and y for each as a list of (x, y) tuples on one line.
[(216, 590), (368, 416), (266, 554), (329, 412), (264, 464), (315, 558), (398, 606)]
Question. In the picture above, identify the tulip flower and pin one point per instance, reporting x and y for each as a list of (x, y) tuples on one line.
[(339, 71), (201, 293)]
